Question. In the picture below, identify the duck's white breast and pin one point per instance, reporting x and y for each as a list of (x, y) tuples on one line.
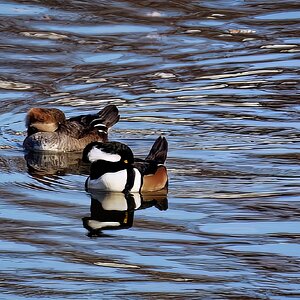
[(113, 182)]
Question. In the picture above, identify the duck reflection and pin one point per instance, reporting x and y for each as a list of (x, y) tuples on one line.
[(47, 168), (116, 210), (49, 163)]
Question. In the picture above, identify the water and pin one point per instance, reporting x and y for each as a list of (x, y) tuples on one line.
[(220, 80)]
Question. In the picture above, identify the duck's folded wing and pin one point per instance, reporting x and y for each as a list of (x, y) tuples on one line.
[(73, 129)]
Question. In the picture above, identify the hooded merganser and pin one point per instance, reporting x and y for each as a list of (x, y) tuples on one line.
[(114, 168), (49, 130)]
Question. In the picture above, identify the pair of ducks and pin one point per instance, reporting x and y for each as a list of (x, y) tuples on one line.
[(113, 166)]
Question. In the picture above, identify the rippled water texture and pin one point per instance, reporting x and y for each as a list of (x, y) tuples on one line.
[(220, 80)]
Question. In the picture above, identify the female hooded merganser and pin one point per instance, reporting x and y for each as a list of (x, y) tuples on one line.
[(49, 130), (114, 168)]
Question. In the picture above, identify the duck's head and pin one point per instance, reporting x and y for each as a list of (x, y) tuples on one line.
[(110, 151), (44, 119)]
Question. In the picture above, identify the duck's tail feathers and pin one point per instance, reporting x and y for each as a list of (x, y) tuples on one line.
[(159, 150), (103, 120), (106, 118)]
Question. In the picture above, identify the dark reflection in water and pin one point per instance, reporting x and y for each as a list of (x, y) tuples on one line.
[(47, 163), (49, 168), (220, 80), (116, 210)]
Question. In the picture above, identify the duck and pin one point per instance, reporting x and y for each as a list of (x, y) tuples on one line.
[(114, 168), (48, 129)]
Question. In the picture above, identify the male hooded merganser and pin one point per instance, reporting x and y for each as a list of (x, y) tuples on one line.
[(49, 130), (114, 168)]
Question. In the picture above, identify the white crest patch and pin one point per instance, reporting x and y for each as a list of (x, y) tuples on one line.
[(98, 154)]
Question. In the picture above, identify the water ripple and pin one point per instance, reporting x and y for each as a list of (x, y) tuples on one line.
[(219, 80)]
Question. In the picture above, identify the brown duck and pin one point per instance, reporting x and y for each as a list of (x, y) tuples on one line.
[(48, 129)]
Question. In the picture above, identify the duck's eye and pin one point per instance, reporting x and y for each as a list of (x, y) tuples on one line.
[(125, 161)]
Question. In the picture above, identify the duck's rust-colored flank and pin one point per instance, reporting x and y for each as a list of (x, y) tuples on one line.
[(155, 182)]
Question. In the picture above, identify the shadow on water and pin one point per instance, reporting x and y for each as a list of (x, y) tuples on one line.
[(220, 80)]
